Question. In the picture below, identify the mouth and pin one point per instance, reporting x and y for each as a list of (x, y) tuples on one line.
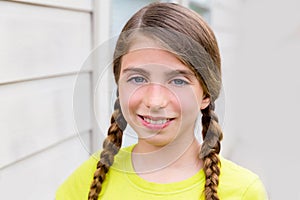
[(155, 122)]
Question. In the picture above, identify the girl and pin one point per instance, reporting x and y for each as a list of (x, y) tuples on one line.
[(167, 68)]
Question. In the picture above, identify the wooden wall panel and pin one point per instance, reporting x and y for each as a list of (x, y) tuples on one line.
[(38, 176), (44, 43), (39, 41), (83, 5), (37, 114)]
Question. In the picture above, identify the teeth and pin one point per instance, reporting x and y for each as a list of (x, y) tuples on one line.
[(156, 122)]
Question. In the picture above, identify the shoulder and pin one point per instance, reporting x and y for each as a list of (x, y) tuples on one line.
[(229, 168), (240, 182), (77, 185)]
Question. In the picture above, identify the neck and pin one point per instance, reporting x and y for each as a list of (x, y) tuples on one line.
[(151, 159)]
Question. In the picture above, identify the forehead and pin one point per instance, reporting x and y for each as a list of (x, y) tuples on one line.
[(151, 57)]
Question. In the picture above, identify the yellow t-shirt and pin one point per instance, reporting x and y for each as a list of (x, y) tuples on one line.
[(235, 183)]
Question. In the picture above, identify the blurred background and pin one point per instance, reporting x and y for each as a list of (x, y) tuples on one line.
[(51, 120)]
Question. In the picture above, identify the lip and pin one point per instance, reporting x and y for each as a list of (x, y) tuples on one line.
[(155, 126)]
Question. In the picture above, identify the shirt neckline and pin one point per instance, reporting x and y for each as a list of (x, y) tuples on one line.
[(124, 161)]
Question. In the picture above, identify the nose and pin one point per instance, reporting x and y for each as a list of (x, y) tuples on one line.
[(156, 96)]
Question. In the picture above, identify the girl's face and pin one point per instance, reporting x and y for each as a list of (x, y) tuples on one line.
[(160, 97)]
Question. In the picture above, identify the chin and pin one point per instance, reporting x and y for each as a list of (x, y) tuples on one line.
[(157, 140)]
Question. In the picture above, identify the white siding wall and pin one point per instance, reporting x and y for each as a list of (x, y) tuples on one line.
[(43, 45)]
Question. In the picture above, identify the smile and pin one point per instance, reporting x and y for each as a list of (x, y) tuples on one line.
[(161, 121), (155, 122)]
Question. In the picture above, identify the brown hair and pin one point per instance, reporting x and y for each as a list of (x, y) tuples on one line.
[(188, 36)]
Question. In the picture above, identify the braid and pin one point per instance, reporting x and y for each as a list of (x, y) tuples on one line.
[(212, 135), (111, 146)]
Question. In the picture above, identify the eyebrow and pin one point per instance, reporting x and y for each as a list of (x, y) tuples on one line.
[(138, 70), (170, 73), (179, 72)]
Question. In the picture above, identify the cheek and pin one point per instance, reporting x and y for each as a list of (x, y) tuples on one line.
[(189, 109), (130, 99), (188, 101)]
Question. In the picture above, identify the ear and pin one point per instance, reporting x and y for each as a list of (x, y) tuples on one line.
[(204, 103)]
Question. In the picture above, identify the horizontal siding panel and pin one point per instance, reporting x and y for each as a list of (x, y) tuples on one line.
[(84, 5), (39, 176), (41, 41), (36, 114)]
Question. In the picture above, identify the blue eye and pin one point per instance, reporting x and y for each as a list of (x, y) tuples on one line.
[(179, 82), (137, 80)]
